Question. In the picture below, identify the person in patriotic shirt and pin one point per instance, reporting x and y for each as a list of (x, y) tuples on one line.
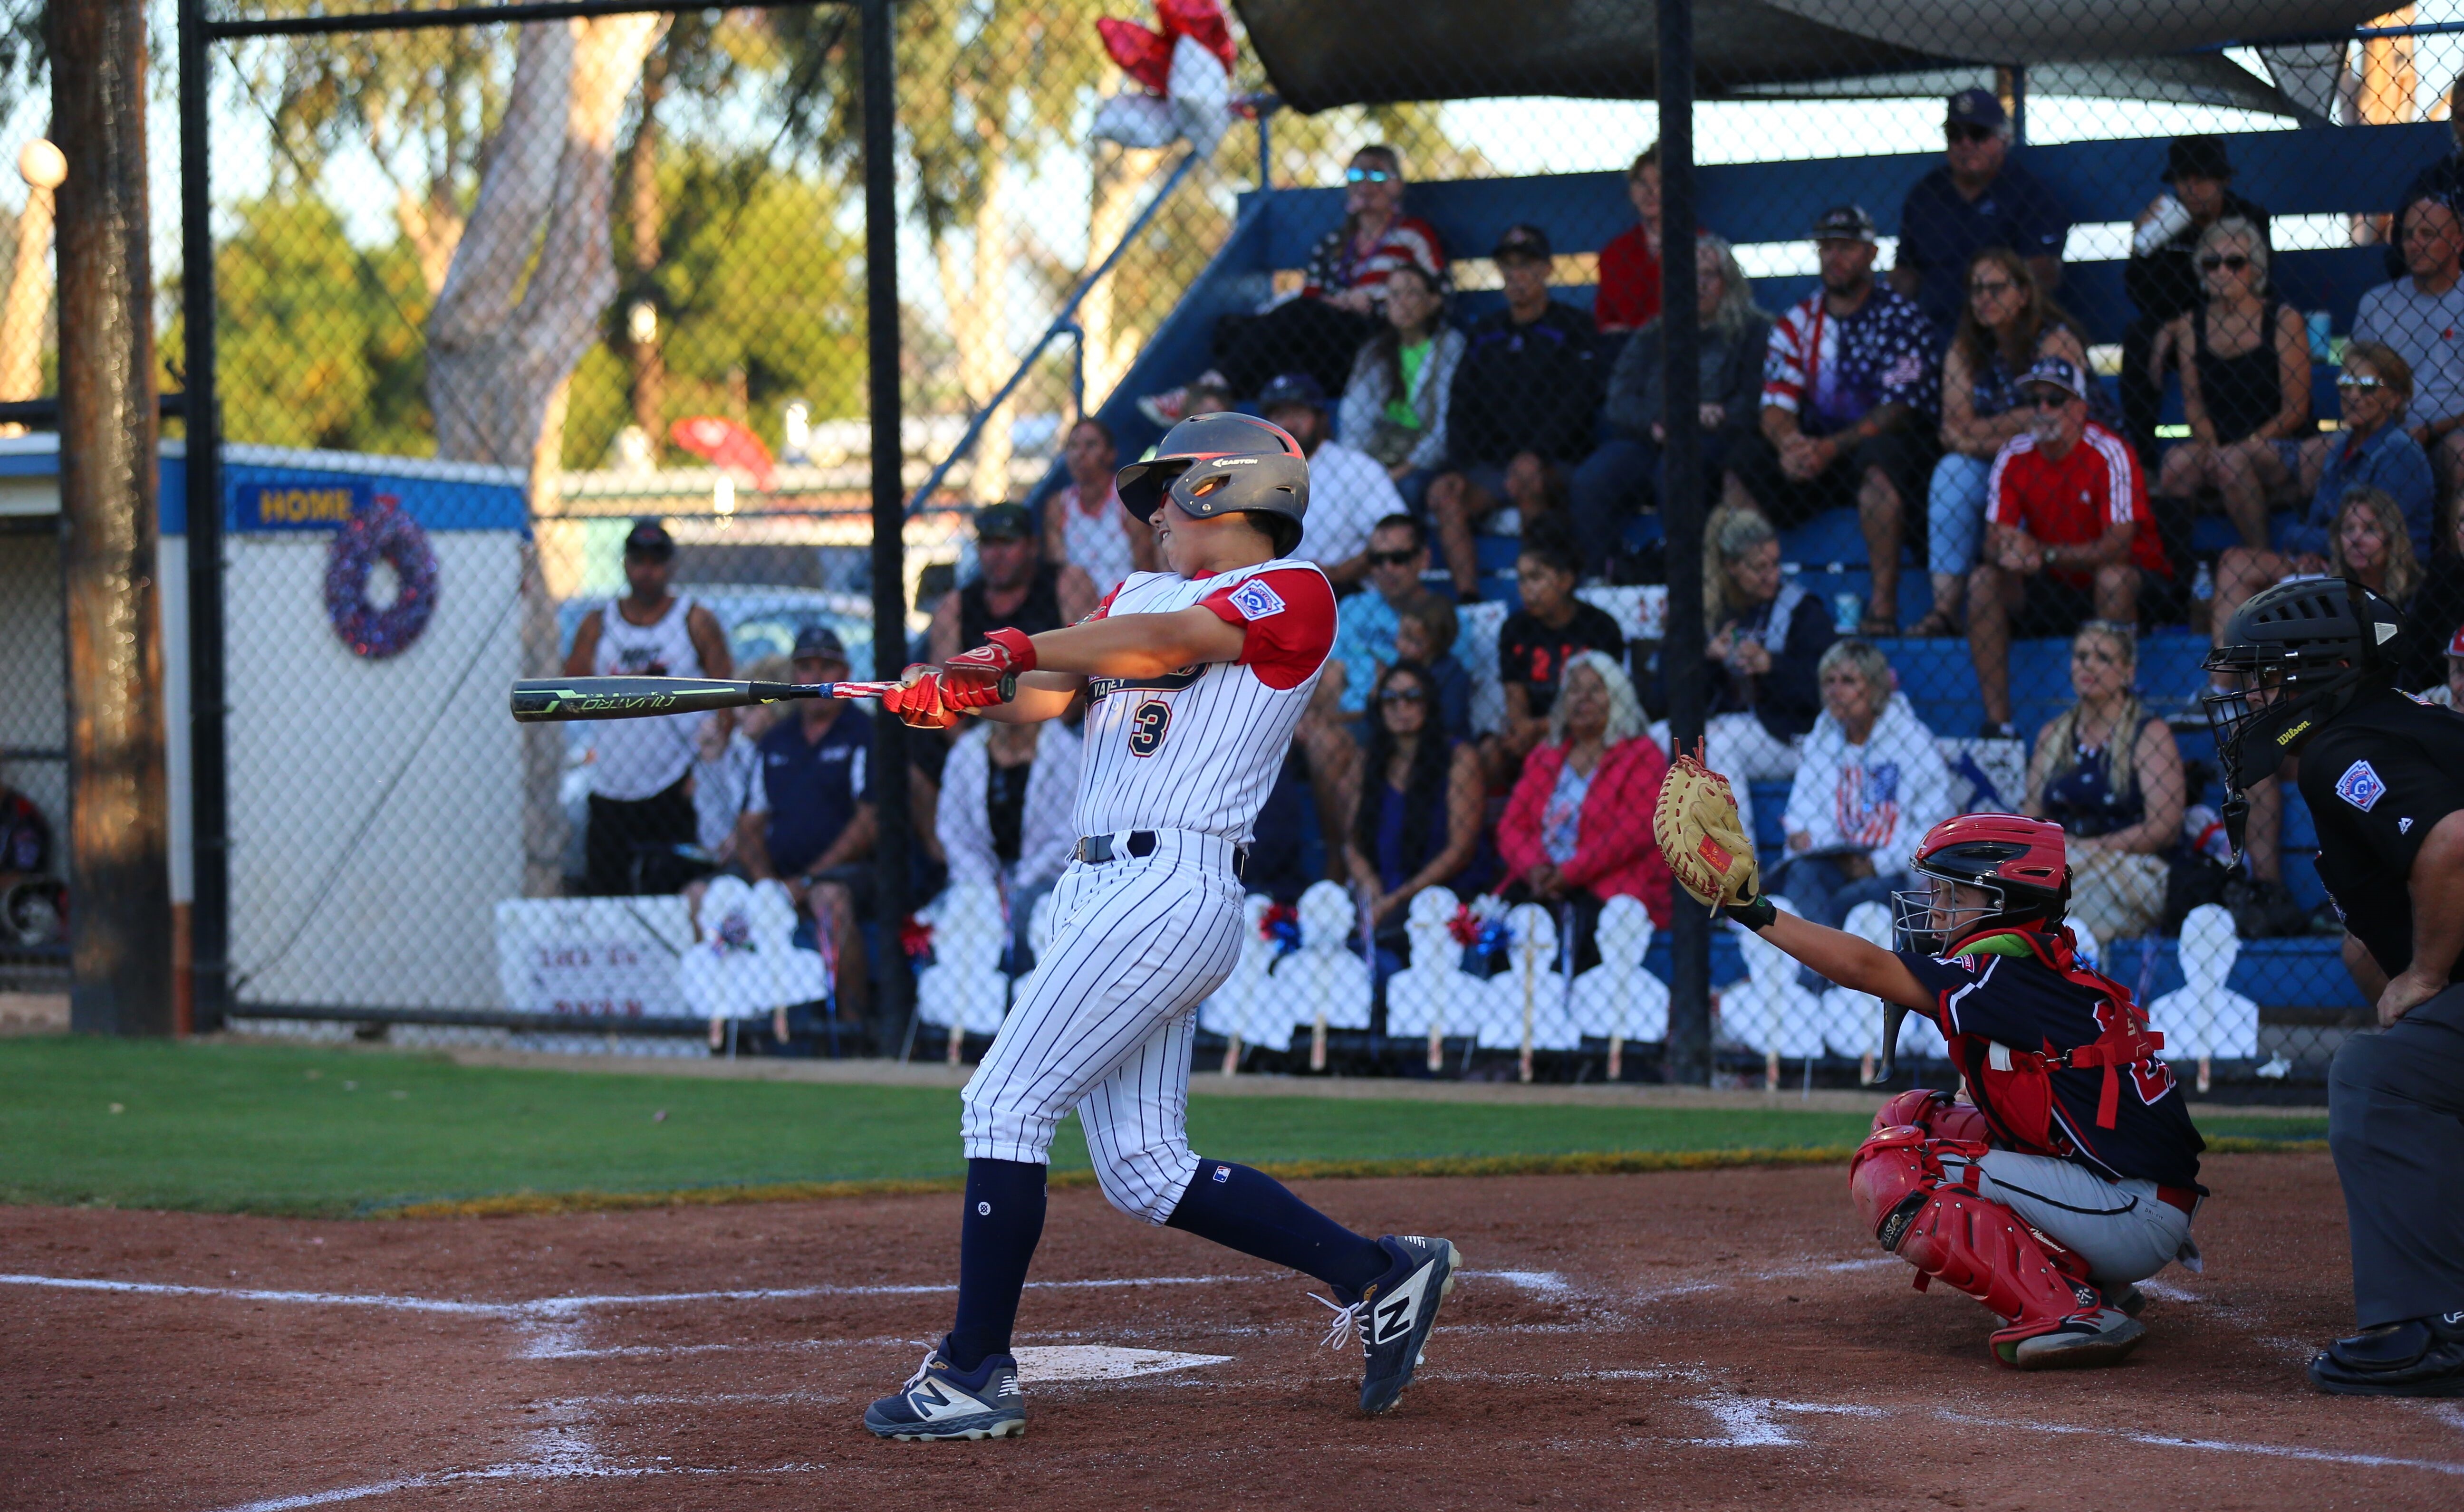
[(1851, 404), (1869, 782)]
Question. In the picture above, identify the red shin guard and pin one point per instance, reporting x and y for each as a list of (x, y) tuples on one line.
[(1968, 1243)]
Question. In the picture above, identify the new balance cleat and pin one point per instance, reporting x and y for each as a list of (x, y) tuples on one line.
[(1393, 1316), (940, 1401)]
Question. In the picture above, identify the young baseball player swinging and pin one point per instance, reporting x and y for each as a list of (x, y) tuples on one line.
[(2073, 1172), (1195, 678)]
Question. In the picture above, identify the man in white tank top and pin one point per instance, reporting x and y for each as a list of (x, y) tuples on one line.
[(1195, 678), (641, 785), (1083, 523)]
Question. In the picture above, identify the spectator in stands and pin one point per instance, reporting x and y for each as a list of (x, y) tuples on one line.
[(641, 770), (2108, 772), (1349, 492), (2437, 611), (1624, 472), (2371, 547), (2372, 450), (2450, 694), (1870, 781), (1278, 866), (1318, 331), (1848, 412), (1577, 829), (2245, 363), (725, 760), (2007, 323), (2162, 276), (1627, 297), (810, 821), (1013, 588), (1523, 406), (1005, 818), (1418, 825), (1767, 636), (1365, 624), (1085, 525), (2069, 538), (1402, 382), (2421, 317), (2442, 181), (1978, 198), (1425, 634), (1538, 641)]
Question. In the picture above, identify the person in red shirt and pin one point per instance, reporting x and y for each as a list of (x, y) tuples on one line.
[(1628, 296), (2067, 533)]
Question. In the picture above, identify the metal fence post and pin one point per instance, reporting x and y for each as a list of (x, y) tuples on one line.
[(889, 504), (1681, 639), (208, 808)]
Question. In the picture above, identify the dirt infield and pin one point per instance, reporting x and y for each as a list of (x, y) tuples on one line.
[(1681, 1339)]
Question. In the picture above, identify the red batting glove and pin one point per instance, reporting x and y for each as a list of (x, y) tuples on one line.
[(920, 702), (1004, 653)]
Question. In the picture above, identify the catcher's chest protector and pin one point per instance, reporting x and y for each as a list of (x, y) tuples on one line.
[(2013, 1087)]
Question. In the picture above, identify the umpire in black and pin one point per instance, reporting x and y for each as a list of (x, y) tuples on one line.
[(2384, 776)]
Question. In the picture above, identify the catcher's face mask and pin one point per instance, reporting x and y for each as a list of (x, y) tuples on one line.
[(1929, 917)]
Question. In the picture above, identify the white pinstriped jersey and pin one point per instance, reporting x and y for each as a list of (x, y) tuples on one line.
[(1197, 749)]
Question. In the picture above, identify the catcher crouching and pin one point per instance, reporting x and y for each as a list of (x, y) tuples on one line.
[(2071, 1172)]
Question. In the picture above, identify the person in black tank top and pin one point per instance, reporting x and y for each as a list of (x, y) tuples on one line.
[(1012, 589), (2239, 403)]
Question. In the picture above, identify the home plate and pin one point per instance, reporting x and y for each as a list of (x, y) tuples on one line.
[(1101, 1361)]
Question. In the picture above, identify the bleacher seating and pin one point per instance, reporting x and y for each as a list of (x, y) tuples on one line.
[(2346, 170)]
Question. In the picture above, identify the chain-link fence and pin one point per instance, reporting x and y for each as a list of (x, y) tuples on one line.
[(544, 346)]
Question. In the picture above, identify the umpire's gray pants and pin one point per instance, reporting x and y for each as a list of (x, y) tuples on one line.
[(2395, 1120), (2123, 1229), (1105, 1022)]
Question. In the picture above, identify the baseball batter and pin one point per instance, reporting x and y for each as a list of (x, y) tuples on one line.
[(2073, 1172), (1195, 677)]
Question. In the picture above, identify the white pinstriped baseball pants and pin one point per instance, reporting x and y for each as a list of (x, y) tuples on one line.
[(1107, 1021)]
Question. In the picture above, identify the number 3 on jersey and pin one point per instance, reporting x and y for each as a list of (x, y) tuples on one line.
[(1146, 724)]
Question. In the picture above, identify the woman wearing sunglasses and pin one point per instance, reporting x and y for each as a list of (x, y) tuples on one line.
[(1419, 820), (1342, 293), (2245, 365), (2007, 323), (2371, 451)]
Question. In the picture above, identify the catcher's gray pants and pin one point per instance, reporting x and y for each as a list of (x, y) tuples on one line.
[(2395, 1122), (1105, 1022), (2123, 1229)]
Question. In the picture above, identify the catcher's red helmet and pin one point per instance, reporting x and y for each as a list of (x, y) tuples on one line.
[(2021, 863)]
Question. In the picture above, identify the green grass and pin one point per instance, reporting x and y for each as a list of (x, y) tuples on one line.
[(294, 1130)]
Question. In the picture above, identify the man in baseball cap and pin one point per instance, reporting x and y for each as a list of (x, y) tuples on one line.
[(1523, 405), (1014, 586), (1976, 199), (2067, 534), (2162, 276)]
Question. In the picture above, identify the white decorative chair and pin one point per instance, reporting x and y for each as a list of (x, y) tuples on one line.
[(1769, 1010), (1432, 995), (2205, 1017), (746, 964), (1617, 1000)]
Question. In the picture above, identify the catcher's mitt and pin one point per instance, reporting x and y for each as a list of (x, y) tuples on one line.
[(1704, 841)]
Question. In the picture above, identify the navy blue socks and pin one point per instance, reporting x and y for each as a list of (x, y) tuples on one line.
[(997, 1240), (1251, 1211)]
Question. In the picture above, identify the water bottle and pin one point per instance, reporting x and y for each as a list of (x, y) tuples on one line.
[(2203, 599)]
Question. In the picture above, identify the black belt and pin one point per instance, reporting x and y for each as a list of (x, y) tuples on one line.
[(1096, 850)]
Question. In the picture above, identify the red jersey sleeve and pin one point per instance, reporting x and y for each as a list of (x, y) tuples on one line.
[(1287, 617)]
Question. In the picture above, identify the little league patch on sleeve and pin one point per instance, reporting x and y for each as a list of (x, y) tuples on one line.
[(1256, 601), (2359, 787)]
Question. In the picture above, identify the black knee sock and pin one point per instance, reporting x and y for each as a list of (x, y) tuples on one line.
[(996, 1237), (1253, 1213)]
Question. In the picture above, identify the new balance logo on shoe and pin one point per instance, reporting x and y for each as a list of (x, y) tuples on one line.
[(1393, 1316)]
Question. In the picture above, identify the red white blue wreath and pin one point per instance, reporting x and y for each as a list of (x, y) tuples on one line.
[(380, 532)]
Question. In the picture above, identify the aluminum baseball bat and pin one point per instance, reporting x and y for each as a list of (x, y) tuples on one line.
[(542, 700)]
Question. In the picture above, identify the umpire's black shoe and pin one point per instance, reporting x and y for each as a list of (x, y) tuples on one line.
[(2420, 1358)]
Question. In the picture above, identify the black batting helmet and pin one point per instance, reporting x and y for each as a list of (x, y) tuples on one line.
[(2309, 649), (1220, 464)]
